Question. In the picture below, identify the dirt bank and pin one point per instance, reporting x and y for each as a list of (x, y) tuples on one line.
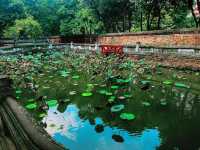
[(169, 61)]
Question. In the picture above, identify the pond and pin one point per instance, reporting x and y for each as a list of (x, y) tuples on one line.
[(94, 102)]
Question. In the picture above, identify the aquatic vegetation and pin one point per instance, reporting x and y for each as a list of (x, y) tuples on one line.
[(168, 82), (104, 91), (86, 94), (31, 106), (145, 103), (117, 108), (127, 116), (181, 85), (51, 103)]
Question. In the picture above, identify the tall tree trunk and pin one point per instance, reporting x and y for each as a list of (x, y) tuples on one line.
[(159, 20), (148, 22), (124, 22), (190, 5), (141, 21), (129, 22), (198, 6)]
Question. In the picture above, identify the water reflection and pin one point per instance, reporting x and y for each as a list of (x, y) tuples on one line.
[(74, 133)]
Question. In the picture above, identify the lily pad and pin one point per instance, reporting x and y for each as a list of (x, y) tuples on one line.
[(168, 82), (108, 93), (90, 85), (87, 94), (114, 87), (31, 106), (72, 93), (181, 85), (145, 81), (18, 91), (102, 92), (52, 103), (147, 104), (123, 80), (163, 103), (111, 99), (127, 95), (76, 77), (31, 100), (41, 115), (121, 97), (117, 108), (127, 116)]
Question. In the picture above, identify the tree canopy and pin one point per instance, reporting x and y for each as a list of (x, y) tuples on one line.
[(24, 28), (67, 17)]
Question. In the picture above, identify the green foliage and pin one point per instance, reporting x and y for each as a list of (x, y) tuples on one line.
[(28, 28), (83, 23), (68, 17)]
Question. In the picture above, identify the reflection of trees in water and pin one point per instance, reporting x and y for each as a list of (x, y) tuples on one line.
[(177, 121), (182, 130)]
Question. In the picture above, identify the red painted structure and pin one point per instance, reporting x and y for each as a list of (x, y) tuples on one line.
[(111, 49)]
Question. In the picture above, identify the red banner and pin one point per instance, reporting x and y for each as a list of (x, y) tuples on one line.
[(111, 49)]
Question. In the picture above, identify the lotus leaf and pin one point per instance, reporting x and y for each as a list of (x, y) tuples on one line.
[(127, 116), (167, 82), (114, 87), (75, 77), (31, 106), (147, 104), (52, 103), (181, 85), (87, 94), (117, 108)]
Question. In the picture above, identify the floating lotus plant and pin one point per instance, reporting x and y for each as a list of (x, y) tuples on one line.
[(42, 115), (168, 82), (52, 103), (72, 93), (75, 77), (124, 80), (181, 85), (65, 100), (117, 108), (31, 106), (118, 138), (108, 93), (18, 91), (86, 94), (145, 103), (111, 99), (30, 100), (90, 85), (99, 128), (102, 91), (127, 95), (46, 87), (145, 81), (127, 116), (163, 102), (121, 97), (114, 87)]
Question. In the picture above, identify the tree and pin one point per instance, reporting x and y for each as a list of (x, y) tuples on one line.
[(24, 28), (83, 22), (9, 12)]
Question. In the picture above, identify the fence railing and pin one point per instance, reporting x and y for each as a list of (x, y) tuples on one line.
[(128, 49)]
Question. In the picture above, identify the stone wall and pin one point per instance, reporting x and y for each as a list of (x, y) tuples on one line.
[(184, 38)]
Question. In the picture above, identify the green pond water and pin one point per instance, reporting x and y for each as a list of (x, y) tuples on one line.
[(107, 103)]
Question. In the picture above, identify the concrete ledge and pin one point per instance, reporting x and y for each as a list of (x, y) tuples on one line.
[(156, 32), (37, 135)]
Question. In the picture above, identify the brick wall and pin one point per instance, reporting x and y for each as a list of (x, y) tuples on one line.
[(185, 38)]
